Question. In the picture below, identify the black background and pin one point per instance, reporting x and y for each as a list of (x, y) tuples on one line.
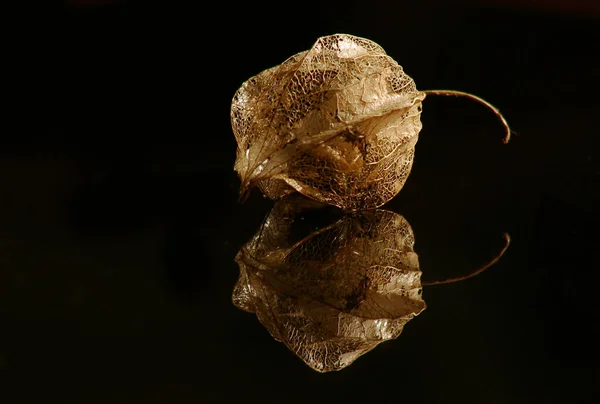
[(119, 218)]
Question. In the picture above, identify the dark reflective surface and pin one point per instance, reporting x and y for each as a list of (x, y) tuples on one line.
[(119, 221)]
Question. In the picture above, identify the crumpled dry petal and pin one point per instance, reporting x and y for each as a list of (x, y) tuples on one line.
[(337, 123), (333, 294)]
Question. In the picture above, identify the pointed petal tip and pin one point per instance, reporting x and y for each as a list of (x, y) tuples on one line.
[(244, 192)]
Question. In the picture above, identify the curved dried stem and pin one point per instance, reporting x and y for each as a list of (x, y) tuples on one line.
[(480, 100), (477, 271)]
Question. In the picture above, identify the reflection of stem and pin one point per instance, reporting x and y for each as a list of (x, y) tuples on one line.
[(480, 100), (477, 271)]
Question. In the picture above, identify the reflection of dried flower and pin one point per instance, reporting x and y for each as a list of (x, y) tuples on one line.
[(336, 293), (337, 123)]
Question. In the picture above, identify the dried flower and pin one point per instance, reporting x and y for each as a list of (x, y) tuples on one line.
[(337, 123)]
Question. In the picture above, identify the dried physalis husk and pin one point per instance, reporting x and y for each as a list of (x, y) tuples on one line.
[(335, 293), (337, 123)]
